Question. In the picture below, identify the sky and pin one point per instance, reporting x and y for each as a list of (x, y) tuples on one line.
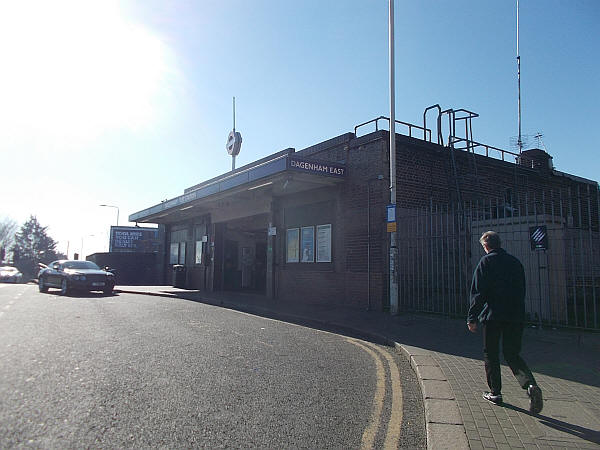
[(127, 103)]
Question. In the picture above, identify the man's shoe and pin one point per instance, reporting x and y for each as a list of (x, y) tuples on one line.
[(536, 403), (496, 399)]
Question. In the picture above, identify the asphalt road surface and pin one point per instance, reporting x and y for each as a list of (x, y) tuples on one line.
[(141, 371)]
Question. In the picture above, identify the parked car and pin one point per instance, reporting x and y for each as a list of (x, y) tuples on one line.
[(69, 275), (9, 274)]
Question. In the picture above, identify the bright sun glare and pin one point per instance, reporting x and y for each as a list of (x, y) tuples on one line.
[(75, 68)]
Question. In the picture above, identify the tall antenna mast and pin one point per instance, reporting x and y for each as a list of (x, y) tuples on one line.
[(519, 141)]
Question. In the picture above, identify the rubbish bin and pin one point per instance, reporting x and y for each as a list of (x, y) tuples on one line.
[(179, 272)]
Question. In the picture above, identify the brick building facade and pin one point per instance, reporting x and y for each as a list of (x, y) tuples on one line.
[(310, 225)]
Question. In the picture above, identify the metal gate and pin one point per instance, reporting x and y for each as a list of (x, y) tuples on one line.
[(554, 233)]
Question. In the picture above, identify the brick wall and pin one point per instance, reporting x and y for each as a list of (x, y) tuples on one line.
[(426, 175)]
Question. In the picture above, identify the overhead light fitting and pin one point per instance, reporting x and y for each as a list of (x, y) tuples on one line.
[(260, 185), (186, 207)]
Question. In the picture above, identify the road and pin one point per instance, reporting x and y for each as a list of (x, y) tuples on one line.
[(139, 371)]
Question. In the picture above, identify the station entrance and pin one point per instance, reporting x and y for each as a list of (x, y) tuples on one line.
[(241, 254)]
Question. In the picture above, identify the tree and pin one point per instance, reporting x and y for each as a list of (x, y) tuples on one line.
[(8, 227), (33, 246)]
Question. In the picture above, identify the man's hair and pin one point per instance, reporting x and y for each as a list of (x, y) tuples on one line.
[(491, 239)]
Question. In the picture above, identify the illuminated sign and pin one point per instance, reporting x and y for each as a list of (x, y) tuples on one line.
[(133, 239)]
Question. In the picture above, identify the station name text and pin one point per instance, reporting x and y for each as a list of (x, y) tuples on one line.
[(316, 167)]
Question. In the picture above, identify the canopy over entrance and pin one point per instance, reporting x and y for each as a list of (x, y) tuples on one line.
[(247, 190)]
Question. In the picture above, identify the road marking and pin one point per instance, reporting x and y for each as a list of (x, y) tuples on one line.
[(392, 437), (368, 437), (394, 426)]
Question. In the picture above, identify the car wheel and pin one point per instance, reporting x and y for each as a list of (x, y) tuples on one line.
[(42, 285), (64, 287)]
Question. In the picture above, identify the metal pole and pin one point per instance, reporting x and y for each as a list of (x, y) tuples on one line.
[(393, 235), (112, 206), (233, 156), (519, 142)]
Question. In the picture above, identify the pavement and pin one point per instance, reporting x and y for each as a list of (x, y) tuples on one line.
[(447, 360)]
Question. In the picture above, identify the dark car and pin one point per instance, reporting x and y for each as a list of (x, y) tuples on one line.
[(69, 276)]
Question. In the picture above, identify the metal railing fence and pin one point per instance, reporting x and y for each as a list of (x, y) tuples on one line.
[(439, 250)]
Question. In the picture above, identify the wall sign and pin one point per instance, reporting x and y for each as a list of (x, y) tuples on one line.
[(391, 213), (538, 238), (316, 167)]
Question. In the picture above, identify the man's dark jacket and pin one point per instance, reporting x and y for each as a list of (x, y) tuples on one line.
[(498, 289)]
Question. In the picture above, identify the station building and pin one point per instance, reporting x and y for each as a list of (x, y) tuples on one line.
[(310, 225)]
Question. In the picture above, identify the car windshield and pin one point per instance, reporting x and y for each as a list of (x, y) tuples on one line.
[(80, 265)]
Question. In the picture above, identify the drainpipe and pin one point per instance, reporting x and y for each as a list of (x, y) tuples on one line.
[(378, 178)]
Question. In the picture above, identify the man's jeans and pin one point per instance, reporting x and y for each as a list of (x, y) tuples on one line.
[(511, 334)]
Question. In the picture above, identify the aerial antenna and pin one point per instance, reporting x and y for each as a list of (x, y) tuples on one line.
[(519, 141), (234, 141), (540, 142)]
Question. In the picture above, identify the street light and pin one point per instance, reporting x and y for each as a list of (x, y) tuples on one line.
[(89, 235), (111, 206)]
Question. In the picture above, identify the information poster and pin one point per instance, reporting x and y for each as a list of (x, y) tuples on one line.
[(324, 243), (308, 244), (293, 250)]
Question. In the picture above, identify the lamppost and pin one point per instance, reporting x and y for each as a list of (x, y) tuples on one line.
[(112, 206), (89, 235), (393, 236)]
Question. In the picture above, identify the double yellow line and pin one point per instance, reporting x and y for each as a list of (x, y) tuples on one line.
[(393, 427)]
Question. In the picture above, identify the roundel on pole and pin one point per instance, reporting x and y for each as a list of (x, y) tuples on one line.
[(234, 143)]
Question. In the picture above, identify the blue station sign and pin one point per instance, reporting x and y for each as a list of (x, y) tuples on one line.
[(316, 167)]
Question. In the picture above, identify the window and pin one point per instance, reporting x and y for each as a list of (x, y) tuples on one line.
[(182, 253), (174, 253), (178, 246), (200, 237), (292, 245)]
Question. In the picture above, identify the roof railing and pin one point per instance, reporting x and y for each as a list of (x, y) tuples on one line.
[(410, 126), (472, 145)]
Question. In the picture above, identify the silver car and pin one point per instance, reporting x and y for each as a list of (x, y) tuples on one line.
[(9, 274)]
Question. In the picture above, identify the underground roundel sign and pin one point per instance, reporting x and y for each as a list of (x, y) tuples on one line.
[(538, 238), (234, 143)]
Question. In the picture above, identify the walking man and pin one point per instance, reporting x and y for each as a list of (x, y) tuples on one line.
[(498, 302)]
